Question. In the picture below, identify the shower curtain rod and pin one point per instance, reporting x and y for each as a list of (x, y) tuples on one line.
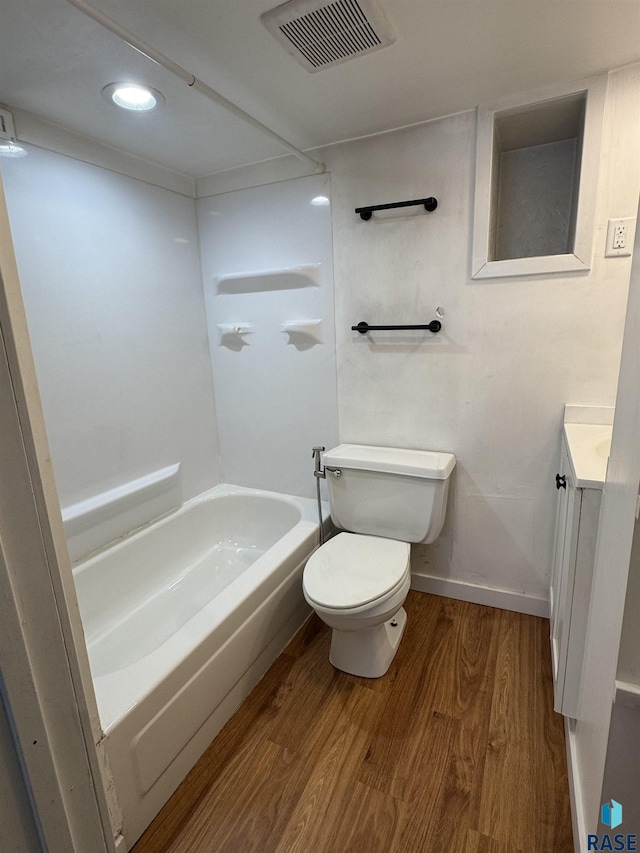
[(190, 79)]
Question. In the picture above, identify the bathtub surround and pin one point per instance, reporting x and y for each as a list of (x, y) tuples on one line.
[(96, 521), (110, 275), (60, 140), (267, 273), (122, 356)]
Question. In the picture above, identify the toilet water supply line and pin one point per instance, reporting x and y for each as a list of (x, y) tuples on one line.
[(319, 474), (190, 79)]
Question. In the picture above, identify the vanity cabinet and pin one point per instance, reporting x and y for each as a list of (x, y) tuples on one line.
[(578, 510)]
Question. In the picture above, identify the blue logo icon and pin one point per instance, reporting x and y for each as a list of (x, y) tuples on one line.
[(612, 814)]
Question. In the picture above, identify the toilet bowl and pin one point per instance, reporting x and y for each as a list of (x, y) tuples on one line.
[(382, 498), (357, 585)]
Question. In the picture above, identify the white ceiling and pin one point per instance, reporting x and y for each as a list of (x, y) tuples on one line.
[(449, 56)]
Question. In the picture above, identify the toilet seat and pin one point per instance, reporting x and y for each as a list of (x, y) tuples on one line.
[(352, 570)]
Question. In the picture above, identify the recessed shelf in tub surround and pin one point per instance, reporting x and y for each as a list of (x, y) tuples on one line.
[(109, 515), (286, 278)]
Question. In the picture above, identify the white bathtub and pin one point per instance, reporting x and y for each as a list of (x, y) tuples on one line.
[(182, 619)]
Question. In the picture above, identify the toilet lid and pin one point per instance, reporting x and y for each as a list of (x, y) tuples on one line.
[(350, 570)]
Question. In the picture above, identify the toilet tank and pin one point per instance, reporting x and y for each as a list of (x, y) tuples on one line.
[(387, 491)]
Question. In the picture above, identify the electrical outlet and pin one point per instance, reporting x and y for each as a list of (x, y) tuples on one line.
[(620, 237)]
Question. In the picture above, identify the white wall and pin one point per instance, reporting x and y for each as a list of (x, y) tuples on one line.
[(109, 268), (275, 391), (491, 387)]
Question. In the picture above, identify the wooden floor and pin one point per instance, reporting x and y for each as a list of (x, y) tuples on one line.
[(456, 750)]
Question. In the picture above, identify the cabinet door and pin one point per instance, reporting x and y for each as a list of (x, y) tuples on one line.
[(564, 585), (580, 599), (554, 591)]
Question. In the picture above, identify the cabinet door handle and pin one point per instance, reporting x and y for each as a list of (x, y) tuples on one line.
[(561, 481)]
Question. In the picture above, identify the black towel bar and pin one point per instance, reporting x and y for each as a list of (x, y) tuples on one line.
[(363, 327), (366, 213)]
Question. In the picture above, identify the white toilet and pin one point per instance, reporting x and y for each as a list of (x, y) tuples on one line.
[(358, 581)]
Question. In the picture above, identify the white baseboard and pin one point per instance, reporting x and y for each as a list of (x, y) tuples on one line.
[(505, 599), (575, 789)]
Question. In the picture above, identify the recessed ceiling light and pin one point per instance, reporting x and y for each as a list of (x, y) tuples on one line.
[(133, 96), (9, 148), (320, 200)]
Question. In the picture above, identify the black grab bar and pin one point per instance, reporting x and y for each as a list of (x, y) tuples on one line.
[(366, 213), (363, 327)]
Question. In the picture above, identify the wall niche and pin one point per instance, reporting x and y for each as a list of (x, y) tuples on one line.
[(536, 182)]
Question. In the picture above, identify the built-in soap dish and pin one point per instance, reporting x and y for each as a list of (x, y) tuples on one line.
[(303, 334), (232, 334)]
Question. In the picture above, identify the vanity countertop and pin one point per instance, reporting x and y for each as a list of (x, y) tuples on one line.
[(588, 446)]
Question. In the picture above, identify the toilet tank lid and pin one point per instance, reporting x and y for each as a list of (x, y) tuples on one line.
[(429, 464)]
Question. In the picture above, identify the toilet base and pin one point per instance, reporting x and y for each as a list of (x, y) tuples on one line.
[(368, 652)]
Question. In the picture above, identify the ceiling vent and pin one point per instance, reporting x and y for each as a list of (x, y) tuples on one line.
[(323, 33)]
